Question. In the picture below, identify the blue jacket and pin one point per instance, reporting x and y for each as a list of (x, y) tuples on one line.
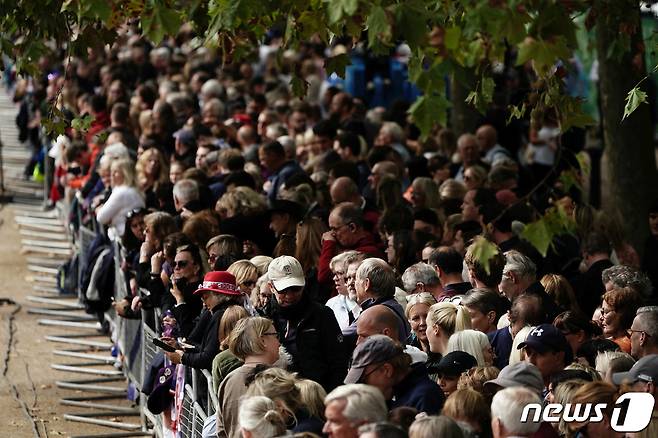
[(282, 175), (418, 391), (501, 342)]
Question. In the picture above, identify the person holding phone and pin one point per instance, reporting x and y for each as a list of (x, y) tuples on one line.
[(182, 301), (217, 292)]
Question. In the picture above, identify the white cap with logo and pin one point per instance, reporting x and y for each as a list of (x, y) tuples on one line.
[(285, 272)]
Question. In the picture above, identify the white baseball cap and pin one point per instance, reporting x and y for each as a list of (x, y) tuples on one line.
[(285, 272)]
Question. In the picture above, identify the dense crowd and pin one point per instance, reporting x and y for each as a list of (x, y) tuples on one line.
[(320, 258)]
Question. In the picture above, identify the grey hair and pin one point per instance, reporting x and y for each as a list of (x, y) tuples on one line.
[(435, 426), (520, 264), (419, 273), (380, 274), (507, 405), (186, 190), (259, 415), (212, 88), (605, 359), (340, 260), (626, 276), (394, 130), (383, 429), (215, 106), (647, 316), (362, 402)]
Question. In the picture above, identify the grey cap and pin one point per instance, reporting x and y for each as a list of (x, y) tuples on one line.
[(519, 374), (375, 349), (645, 369)]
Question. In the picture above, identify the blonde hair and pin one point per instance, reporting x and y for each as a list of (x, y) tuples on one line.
[(558, 288), (420, 298), (246, 339), (597, 392), (261, 262), (241, 200), (452, 189), (243, 270), (430, 191), (479, 173), (142, 161), (470, 341), (227, 323), (475, 377), (449, 317), (127, 168), (311, 395), (469, 406), (259, 415), (278, 385), (563, 394)]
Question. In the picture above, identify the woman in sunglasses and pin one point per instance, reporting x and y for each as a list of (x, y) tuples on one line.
[(246, 275), (188, 274)]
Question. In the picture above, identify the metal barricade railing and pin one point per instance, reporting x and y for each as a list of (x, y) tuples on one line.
[(134, 340)]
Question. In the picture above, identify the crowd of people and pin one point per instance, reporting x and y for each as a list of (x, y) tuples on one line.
[(321, 259)]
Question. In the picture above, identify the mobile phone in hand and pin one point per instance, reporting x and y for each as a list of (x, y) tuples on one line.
[(166, 347)]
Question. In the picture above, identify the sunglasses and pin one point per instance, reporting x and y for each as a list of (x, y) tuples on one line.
[(249, 283), (181, 264), (135, 212)]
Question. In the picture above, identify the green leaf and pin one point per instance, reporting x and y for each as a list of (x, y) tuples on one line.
[(516, 112), (452, 37), (337, 9), (634, 98), (336, 64), (101, 9), (82, 124), (298, 86), (539, 235), (483, 251), (350, 6), (160, 21), (377, 25), (427, 111), (487, 86)]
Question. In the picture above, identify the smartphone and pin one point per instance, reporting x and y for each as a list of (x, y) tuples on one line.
[(166, 347)]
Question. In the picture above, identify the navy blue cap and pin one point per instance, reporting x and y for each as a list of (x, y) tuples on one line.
[(547, 337)]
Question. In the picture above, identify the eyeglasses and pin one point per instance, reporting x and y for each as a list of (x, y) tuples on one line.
[(631, 331), (363, 377), (249, 283), (335, 229), (270, 334), (181, 264)]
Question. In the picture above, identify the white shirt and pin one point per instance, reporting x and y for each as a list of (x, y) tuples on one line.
[(341, 305), (122, 200)]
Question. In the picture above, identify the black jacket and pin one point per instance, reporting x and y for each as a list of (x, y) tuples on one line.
[(316, 347), (207, 331)]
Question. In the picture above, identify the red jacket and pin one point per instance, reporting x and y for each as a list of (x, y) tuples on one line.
[(331, 248)]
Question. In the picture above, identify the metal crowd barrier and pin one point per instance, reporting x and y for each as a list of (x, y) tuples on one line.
[(133, 339)]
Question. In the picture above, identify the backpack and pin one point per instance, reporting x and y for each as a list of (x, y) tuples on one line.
[(67, 276)]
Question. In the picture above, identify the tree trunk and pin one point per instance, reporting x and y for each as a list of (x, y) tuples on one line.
[(464, 117), (631, 163)]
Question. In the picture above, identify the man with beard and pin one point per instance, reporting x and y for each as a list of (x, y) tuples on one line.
[(307, 329)]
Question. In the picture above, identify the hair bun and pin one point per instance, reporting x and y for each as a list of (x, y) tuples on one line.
[(272, 416)]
